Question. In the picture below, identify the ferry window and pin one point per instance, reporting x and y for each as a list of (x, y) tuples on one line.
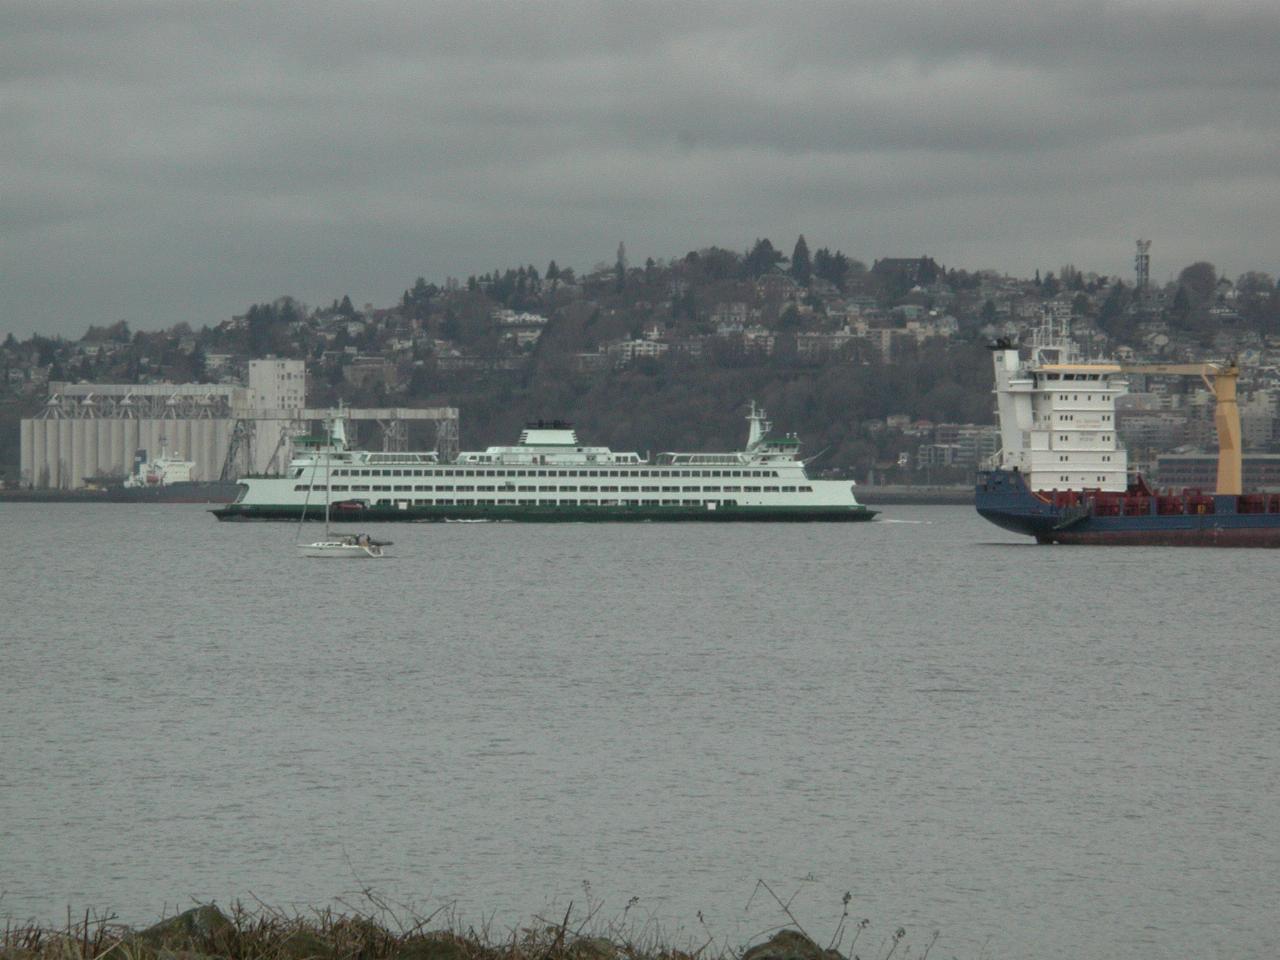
[(608, 489), (770, 489), (339, 486), (715, 473), (542, 473), (690, 489), (568, 489), (490, 473), (670, 489), (750, 489), (468, 489), (359, 487), (403, 487), (788, 489), (588, 489), (802, 489), (630, 489), (710, 489), (735, 489), (526, 490), (546, 489), (444, 488), (301, 486), (593, 473), (397, 473)]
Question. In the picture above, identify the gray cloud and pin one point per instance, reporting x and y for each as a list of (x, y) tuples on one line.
[(167, 161)]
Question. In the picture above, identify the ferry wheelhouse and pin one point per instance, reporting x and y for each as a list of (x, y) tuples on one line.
[(550, 475)]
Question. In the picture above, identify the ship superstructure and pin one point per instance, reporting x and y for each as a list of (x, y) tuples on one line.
[(1058, 415), (551, 475)]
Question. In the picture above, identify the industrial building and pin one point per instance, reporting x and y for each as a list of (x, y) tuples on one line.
[(95, 430)]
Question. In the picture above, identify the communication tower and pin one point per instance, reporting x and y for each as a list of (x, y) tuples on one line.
[(1142, 265)]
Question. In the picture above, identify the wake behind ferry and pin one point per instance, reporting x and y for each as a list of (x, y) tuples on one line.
[(549, 475), (1061, 475)]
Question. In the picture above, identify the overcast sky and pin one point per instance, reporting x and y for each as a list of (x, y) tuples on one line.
[(164, 161)]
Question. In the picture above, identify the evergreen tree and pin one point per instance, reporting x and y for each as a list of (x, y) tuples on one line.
[(801, 267), (620, 268), (762, 258)]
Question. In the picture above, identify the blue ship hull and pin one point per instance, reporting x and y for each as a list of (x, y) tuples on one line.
[(1138, 518)]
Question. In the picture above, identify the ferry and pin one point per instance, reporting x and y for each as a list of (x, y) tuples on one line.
[(548, 475), (1061, 475)]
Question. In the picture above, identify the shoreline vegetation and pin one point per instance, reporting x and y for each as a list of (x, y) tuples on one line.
[(206, 932)]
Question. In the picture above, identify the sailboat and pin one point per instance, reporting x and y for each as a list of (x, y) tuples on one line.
[(352, 546)]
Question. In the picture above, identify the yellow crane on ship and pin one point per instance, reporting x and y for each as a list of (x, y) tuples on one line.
[(1221, 379)]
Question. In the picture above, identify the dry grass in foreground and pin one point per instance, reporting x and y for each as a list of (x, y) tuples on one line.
[(207, 933)]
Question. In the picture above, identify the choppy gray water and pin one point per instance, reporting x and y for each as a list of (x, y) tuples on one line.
[(1038, 752)]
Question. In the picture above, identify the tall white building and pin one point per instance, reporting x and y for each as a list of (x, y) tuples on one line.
[(278, 392)]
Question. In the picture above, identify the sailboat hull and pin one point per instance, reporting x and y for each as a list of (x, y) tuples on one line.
[(340, 550)]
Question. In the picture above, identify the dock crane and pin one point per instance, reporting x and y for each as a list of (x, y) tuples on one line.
[(1221, 379)]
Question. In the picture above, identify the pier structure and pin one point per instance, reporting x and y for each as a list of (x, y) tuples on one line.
[(88, 431)]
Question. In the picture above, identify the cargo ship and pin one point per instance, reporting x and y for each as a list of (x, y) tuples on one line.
[(549, 475), (1061, 475), (163, 479)]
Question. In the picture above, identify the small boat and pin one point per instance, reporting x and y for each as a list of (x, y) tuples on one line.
[(347, 546)]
